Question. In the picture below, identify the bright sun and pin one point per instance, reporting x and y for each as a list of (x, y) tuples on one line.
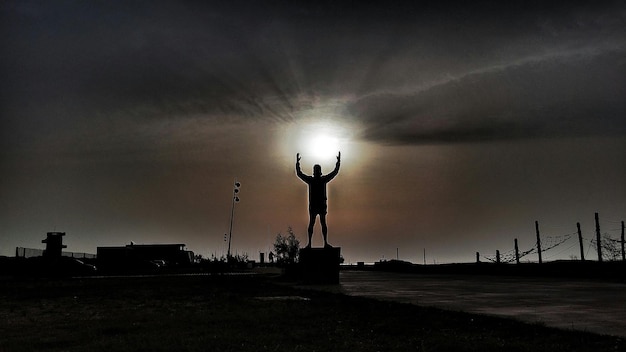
[(323, 146), (320, 142), (319, 134)]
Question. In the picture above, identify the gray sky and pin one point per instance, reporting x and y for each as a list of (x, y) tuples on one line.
[(459, 125)]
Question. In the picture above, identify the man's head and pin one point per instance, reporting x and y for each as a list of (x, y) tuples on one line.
[(317, 170)]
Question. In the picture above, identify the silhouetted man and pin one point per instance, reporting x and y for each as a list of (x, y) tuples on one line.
[(317, 195)]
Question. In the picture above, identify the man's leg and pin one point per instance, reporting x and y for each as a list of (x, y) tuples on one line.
[(324, 229), (312, 216)]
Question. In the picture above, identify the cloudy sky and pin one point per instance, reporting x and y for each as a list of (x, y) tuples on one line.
[(459, 125)]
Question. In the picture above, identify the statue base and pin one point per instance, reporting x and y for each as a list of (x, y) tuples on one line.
[(319, 265)]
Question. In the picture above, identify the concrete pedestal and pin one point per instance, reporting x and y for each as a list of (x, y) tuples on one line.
[(319, 265)]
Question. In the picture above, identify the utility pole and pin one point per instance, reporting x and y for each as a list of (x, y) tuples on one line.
[(538, 241), (598, 239), (623, 253), (580, 242), (516, 252), (232, 215)]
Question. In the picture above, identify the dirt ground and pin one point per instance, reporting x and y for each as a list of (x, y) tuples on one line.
[(249, 313)]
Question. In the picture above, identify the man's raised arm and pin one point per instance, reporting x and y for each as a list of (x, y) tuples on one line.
[(336, 170), (298, 171)]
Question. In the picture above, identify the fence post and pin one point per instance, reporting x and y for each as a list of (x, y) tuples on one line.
[(477, 257), (497, 256), (580, 242), (538, 241), (598, 239), (516, 252)]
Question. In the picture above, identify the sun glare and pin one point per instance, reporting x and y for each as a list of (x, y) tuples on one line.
[(319, 134), (320, 142), (323, 146)]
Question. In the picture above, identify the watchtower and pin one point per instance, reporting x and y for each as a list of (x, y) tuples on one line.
[(54, 244)]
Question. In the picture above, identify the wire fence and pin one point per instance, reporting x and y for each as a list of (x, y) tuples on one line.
[(33, 252), (554, 247)]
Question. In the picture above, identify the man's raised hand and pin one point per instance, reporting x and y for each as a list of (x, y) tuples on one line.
[(339, 157)]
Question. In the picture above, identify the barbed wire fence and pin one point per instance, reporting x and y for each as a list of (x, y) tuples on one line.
[(610, 246)]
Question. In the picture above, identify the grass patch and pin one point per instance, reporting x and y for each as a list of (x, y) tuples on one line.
[(199, 313)]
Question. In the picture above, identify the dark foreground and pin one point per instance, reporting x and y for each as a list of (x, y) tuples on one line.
[(245, 313)]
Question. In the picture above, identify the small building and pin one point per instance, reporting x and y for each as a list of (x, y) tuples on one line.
[(133, 254)]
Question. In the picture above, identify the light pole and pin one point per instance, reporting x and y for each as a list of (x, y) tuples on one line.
[(232, 215)]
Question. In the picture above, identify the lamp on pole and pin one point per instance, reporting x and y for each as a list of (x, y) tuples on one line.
[(232, 215)]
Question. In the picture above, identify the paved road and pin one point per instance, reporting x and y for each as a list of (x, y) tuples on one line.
[(598, 307)]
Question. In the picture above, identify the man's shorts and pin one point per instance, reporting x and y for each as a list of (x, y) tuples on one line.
[(318, 209)]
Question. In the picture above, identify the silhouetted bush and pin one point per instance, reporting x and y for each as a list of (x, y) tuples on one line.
[(286, 248)]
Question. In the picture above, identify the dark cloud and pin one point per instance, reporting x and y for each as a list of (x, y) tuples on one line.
[(416, 71), (562, 95)]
